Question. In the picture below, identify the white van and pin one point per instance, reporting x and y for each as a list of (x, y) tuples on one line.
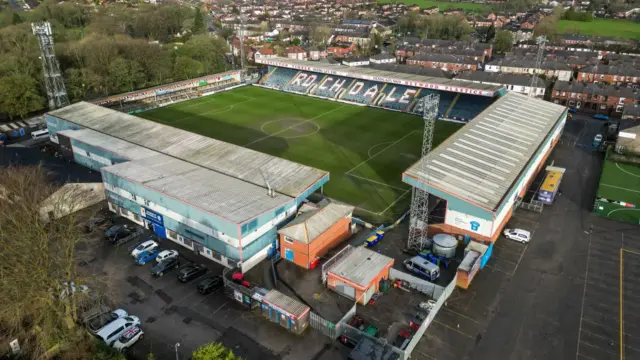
[(113, 330), (423, 267), (40, 134)]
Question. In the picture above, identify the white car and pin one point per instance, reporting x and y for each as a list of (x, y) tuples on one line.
[(166, 254), (113, 330), (129, 338), (520, 235), (145, 246)]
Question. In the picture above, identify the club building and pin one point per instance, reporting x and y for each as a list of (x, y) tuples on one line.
[(485, 168), (220, 200)]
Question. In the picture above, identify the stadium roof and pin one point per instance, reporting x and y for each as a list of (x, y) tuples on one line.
[(371, 74), (310, 225), (284, 176), (213, 192), (109, 143), (482, 160)]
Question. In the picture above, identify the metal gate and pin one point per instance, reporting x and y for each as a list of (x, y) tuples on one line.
[(346, 290), (326, 327)]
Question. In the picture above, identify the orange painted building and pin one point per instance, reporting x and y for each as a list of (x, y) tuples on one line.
[(358, 275), (314, 232)]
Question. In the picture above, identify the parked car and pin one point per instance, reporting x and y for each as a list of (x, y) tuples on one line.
[(145, 246), (573, 110), (207, 285), (597, 140), (520, 235), (601, 117), (95, 324), (166, 254), (147, 256), (129, 338), (113, 330), (190, 272), (166, 265), (117, 232)]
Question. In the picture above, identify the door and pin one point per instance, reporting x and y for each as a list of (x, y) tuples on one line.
[(369, 293), (288, 254), (346, 290)]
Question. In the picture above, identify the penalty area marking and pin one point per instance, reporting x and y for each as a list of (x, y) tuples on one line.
[(214, 111), (621, 188), (380, 152), (375, 146), (624, 209), (294, 136)]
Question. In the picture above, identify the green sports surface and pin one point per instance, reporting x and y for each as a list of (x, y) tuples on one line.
[(364, 149), (619, 182)]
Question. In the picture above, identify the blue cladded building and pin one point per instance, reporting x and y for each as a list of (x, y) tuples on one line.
[(220, 200)]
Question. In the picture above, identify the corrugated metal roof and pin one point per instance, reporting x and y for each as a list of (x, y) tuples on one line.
[(361, 266), (208, 190), (284, 176), (308, 226), (109, 143), (357, 72), (482, 160), (292, 306)]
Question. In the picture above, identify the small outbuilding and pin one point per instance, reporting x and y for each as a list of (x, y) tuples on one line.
[(358, 275), (314, 232), (289, 313)]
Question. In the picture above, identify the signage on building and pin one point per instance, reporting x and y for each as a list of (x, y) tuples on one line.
[(152, 216), (237, 295)]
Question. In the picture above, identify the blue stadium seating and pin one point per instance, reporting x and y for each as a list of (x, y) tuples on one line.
[(445, 100), (397, 95), (330, 81), (280, 78), (304, 81), (359, 96), (469, 106)]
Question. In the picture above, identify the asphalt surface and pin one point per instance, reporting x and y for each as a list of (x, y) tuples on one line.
[(557, 297)]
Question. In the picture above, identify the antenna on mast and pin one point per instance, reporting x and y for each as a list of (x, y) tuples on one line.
[(270, 191)]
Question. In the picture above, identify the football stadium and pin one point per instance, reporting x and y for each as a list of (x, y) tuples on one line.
[(365, 148), (618, 195)]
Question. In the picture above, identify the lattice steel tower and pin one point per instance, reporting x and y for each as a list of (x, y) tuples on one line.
[(53, 81), (419, 220), (541, 41)]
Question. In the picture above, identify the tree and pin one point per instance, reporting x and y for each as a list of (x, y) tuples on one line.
[(491, 33), (19, 96), (33, 304), (125, 75), (16, 19), (187, 68), (504, 41), (319, 34), (213, 351), (295, 41), (81, 82), (198, 22)]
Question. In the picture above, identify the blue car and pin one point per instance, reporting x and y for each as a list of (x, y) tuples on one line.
[(600, 117), (147, 256)]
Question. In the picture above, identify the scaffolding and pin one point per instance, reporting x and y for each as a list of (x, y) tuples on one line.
[(53, 80), (419, 220)]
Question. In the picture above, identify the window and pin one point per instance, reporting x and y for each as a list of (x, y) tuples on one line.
[(87, 154), (573, 95), (557, 93), (288, 240), (619, 108), (280, 211), (172, 234), (136, 217), (135, 198), (147, 203)]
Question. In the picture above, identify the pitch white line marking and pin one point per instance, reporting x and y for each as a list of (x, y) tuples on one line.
[(376, 182), (374, 146), (214, 111), (621, 188), (625, 171), (381, 151), (292, 126)]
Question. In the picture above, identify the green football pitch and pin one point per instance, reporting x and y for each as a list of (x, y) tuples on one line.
[(364, 149), (619, 182)]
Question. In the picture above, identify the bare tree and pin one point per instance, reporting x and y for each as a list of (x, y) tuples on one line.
[(42, 297)]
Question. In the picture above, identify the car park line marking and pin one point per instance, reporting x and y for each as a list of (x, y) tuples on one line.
[(496, 269), (218, 309), (461, 315), (499, 258), (584, 293), (454, 329), (425, 355), (596, 347), (585, 356)]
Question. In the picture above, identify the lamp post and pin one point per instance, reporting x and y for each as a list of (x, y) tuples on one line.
[(176, 346)]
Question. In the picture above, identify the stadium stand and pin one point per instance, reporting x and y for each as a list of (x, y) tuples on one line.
[(363, 92), (398, 97), (302, 82), (280, 78), (468, 107), (331, 86)]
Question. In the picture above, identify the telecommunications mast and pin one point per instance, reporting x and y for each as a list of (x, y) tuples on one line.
[(53, 81)]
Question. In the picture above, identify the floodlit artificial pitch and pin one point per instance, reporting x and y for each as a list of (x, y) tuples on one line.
[(365, 149)]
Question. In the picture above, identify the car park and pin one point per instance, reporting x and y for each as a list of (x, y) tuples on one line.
[(209, 284), (600, 117), (597, 140), (145, 246), (96, 222), (95, 324), (520, 235), (164, 266), (147, 256), (190, 272), (166, 254), (117, 232), (111, 332), (129, 338)]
